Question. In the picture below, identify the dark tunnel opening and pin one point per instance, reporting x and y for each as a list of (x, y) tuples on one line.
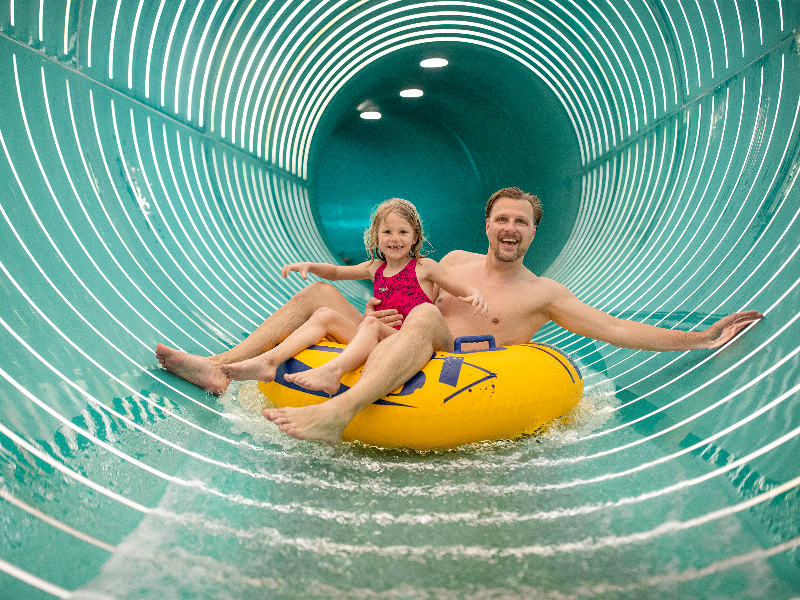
[(485, 122)]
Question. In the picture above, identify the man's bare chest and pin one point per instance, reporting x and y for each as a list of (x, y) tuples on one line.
[(511, 320)]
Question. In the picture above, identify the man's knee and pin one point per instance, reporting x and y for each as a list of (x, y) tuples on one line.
[(320, 292), (426, 322), (423, 320), (424, 314)]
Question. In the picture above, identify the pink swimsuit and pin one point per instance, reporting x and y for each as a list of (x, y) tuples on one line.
[(401, 291)]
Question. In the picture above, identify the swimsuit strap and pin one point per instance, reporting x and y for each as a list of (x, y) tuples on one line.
[(412, 264)]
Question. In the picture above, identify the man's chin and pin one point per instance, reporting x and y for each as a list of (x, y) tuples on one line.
[(504, 257)]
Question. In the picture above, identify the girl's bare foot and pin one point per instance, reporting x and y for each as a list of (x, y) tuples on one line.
[(258, 368), (321, 378), (318, 422), (198, 370)]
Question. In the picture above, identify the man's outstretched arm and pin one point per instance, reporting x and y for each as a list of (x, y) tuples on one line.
[(566, 310)]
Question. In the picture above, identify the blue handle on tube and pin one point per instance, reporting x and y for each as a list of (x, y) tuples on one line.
[(469, 339)]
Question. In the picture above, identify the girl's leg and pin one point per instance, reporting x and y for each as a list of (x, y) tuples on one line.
[(327, 377), (263, 367), (391, 364), (204, 371)]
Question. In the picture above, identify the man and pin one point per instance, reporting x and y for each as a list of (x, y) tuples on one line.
[(520, 303)]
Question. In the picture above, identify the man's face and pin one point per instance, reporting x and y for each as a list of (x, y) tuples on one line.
[(510, 229)]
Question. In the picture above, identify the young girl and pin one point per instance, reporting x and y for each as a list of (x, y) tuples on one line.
[(402, 279)]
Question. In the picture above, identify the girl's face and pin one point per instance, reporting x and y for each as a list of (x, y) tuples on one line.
[(396, 237)]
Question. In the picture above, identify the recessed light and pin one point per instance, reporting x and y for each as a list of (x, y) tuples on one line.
[(371, 115), (431, 63), (413, 93)]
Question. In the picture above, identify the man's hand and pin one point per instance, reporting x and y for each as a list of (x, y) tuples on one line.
[(390, 316), (726, 328)]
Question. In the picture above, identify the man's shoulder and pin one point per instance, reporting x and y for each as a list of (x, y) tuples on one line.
[(545, 285), (541, 290), (545, 282), (459, 257)]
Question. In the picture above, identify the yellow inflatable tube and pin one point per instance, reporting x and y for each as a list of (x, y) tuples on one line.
[(458, 397)]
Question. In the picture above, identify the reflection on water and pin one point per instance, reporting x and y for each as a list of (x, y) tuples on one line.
[(279, 518)]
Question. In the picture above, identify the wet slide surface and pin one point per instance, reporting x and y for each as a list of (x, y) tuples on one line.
[(157, 166)]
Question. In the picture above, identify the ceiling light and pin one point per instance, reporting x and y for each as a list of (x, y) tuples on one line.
[(430, 63), (371, 115), (413, 93)]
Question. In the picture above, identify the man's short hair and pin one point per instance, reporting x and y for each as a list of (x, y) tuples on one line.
[(516, 194)]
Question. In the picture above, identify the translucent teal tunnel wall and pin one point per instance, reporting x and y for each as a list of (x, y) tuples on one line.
[(159, 162)]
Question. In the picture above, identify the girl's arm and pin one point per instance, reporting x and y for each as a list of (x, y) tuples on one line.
[(440, 276), (330, 272)]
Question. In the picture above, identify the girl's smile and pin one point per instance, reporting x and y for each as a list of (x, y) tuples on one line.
[(396, 237)]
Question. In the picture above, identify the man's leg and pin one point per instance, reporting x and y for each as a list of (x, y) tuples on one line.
[(204, 371), (393, 362), (323, 323)]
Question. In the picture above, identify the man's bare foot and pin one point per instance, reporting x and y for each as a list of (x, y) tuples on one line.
[(258, 368), (198, 370), (318, 422), (321, 378)]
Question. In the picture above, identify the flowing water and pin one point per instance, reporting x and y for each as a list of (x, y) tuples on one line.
[(272, 517)]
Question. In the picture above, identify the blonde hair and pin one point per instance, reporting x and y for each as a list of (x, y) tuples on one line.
[(403, 208)]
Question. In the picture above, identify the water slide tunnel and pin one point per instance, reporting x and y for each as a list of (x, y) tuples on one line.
[(159, 161)]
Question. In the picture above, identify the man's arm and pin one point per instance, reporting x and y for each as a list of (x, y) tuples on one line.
[(566, 310)]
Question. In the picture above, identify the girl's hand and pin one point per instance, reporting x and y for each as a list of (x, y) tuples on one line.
[(478, 301), (301, 268)]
